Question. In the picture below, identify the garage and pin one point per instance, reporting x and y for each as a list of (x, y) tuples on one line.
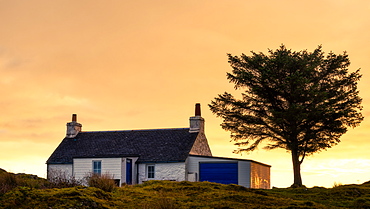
[(219, 172)]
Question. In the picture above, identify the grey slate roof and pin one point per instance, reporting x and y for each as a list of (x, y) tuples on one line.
[(153, 145)]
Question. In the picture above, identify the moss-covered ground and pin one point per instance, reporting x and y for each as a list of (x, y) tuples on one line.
[(169, 194)]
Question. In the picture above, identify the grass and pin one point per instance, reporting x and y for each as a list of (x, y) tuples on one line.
[(169, 195), (104, 182)]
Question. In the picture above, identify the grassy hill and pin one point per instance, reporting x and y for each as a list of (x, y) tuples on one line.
[(167, 194)]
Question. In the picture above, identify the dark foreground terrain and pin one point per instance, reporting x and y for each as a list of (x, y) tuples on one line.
[(27, 191)]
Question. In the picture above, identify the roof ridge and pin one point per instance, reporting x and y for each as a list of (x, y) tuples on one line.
[(158, 129)]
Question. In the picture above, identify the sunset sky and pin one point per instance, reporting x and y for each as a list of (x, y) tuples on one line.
[(143, 64)]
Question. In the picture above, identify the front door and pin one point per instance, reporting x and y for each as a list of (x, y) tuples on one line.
[(128, 171)]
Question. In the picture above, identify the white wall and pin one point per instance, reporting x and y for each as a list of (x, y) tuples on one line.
[(244, 173), (83, 167), (59, 170), (163, 171)]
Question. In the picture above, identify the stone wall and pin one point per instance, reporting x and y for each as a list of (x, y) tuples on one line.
[(201, 146)]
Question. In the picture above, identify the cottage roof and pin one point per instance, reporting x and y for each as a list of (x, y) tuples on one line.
[(153, 145)]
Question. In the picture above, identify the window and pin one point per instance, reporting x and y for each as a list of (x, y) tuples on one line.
[(97, 167), (150, 171)]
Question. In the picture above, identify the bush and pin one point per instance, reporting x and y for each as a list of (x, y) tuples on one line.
[(337, 184), (60, 179), (362, 202), (8, 181), (104, 182)]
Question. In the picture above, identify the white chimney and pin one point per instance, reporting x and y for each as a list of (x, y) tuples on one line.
[(73, 128), (197, 122)]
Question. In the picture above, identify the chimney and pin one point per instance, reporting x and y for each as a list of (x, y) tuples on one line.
[(197, 109), (197, 122), (73, 128), (74, 117)]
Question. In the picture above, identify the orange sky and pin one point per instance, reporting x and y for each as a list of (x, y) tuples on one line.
[(144, 64)]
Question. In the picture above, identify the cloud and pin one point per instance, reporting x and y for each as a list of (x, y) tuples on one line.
[(10, 65), (136, 64)]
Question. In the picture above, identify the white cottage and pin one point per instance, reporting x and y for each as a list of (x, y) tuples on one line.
[(135, 156)]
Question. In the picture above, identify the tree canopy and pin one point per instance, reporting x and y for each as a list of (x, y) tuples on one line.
[(302, 102)]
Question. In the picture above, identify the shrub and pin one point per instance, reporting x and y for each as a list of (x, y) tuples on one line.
[(31, 181), (8, 181), (337, 184), (362, 202), (104, 182), (161, 203), (60, 179)]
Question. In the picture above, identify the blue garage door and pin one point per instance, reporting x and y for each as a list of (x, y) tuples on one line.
[(224, 173)]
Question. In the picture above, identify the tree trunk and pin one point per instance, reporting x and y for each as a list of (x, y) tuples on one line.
[(296, 169)]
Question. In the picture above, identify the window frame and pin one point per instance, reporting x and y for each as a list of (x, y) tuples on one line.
[(150, 171), (96, 170)]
